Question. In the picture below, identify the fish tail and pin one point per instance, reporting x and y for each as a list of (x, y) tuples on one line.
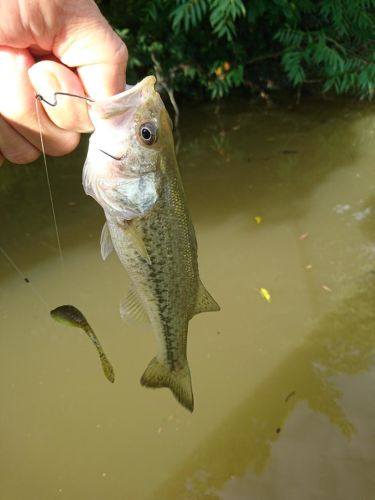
[(158, 374)]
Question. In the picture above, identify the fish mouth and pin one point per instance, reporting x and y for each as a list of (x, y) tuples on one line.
[(130, 98), (144, 168)]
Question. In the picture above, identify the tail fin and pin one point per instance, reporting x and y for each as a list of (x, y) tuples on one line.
[(179, 382)]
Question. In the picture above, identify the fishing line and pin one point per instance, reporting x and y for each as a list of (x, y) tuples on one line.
[(24, 277), (48, 181), (39, 97)]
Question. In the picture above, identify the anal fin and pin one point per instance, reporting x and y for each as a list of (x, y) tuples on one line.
[(132, 308), (205, 302)]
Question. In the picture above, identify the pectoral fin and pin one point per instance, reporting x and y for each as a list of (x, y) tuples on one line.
[(132, 308), (106, 245), (205, 301), (137, 241)]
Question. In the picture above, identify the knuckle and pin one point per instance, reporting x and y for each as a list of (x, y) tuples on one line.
[(22, 155), (66, 145), (121, 52)]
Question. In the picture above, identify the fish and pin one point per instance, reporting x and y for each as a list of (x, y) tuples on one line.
[(72, 316), (131, 171)]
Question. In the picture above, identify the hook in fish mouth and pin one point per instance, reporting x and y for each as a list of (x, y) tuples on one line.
[(117, 158)]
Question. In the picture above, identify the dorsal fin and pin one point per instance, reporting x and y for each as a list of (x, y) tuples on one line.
[(131, 307), (205, 301), (106, 245)]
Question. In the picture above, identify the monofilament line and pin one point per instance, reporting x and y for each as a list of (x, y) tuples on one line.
[(24, 278), (48, 181)]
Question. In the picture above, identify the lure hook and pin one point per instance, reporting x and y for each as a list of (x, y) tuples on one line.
[(39, 97)]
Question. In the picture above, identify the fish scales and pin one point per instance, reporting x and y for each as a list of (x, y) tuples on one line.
[(137, 182)]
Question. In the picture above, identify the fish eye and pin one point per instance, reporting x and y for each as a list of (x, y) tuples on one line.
[(148, 133)]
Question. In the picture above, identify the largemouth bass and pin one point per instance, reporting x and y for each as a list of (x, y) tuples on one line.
[(132, 172), (70, 315)]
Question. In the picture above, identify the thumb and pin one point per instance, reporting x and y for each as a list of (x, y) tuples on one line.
[(89, 44)]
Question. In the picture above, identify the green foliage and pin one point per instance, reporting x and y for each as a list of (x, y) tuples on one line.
[(222, 15), (200, 47)]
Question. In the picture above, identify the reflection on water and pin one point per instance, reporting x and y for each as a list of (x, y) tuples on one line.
[(343, 343), (282, 199)]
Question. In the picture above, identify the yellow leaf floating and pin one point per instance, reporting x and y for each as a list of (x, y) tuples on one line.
[(265, 294), (258, 219)]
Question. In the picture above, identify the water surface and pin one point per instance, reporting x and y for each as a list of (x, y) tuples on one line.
[(282, 198)]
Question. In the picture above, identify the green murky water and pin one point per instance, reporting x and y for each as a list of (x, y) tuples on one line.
[(282, 199)]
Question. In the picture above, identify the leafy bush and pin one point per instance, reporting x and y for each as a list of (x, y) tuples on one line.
[(201, 47)]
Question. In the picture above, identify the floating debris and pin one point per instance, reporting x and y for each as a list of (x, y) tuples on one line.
[(362, 214), (72, 316), (265, 294), (290, 395), (289, 152), (341, 208), (326, 288), (303, 236), (258, 219)]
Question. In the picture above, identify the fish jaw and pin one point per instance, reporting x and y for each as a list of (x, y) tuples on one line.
[(117, 105)]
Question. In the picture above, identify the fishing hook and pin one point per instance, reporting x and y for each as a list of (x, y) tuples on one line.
[(118, 158), (39, 97)]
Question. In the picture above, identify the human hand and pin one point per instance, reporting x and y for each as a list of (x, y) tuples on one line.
[(49, 46)]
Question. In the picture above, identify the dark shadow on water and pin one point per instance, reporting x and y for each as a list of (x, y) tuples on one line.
[(256, 160), (342, 343)]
